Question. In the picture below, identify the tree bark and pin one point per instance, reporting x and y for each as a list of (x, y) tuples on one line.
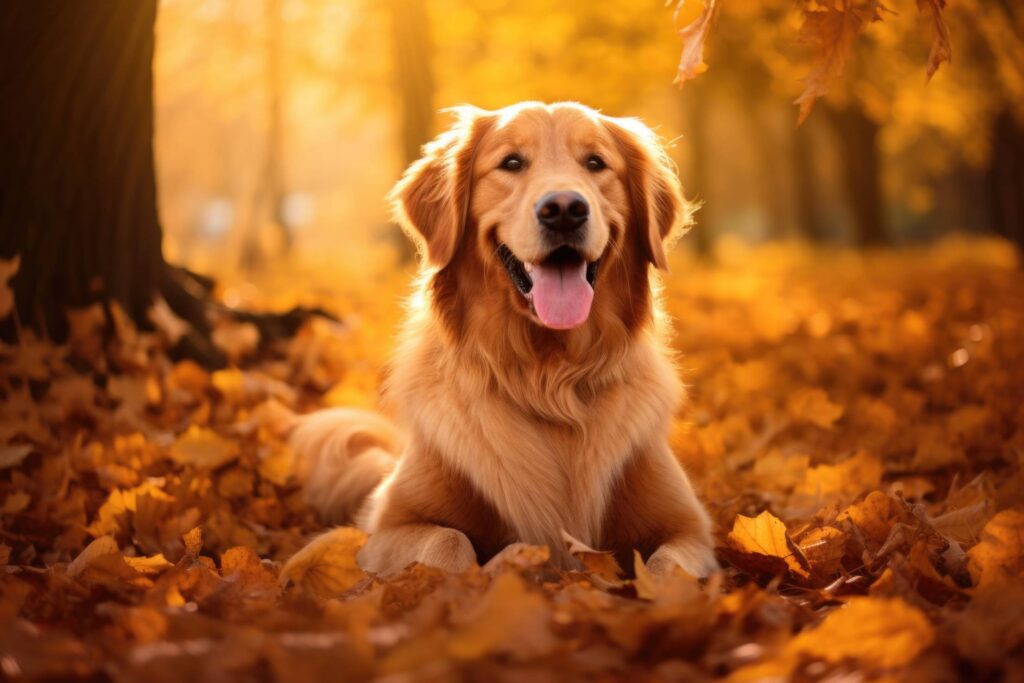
[(78, 200), (77, 179), (858, 142), (1006, 178)]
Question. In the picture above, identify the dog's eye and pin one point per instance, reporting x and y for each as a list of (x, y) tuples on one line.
[(595, 163), (513, 162)]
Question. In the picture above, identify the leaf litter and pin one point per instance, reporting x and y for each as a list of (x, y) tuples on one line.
[(855, 424)]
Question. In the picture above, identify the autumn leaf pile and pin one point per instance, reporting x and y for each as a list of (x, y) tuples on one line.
[(855, 424)]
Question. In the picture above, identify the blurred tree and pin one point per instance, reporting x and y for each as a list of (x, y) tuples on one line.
[(77, 180), (269, 196), (414, 76), (77, 185)]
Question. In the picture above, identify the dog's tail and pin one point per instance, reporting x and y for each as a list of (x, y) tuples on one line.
[(342, 454)]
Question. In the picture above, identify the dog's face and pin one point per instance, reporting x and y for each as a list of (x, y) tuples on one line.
[(545, 198)]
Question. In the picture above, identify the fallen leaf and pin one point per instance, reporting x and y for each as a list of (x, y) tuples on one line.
[(812, 405), (511, 620), (204, 448), (766, 536), (327, 566), (11, 456), (1000, 553), (881, 633)]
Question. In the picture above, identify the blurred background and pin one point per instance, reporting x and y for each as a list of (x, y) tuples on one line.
[(281, 124)]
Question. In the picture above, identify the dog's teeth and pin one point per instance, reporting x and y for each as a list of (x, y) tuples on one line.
[(528, 266)]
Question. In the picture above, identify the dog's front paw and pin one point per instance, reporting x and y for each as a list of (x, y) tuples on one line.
[(392, 550), (695, 558)]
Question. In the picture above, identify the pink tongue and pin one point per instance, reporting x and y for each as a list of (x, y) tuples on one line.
[(561, 294)]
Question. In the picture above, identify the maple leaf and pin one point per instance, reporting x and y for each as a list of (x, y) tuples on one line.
[(327, 566), (694, 35), (765, 538), (831, 33), (1000, 553)]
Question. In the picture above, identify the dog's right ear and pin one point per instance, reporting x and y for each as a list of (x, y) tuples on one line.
[(431, 201)]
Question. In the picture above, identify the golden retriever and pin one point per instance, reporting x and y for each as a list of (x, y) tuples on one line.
[(531, 381)]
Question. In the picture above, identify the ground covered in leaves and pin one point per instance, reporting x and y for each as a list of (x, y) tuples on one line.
[(856, 427)]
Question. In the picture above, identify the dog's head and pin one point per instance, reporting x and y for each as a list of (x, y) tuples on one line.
[(549, 199)]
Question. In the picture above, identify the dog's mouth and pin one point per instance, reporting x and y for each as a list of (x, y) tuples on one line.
[(559, 288)]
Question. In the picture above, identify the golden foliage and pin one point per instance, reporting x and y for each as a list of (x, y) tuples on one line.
[(854, 425)]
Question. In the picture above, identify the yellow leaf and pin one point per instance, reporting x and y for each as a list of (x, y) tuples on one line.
[(1000, 553), (149, 565), (766, 535), (847, 480), (327, 566), (881, 633), (645, 585), (203, 448), (812, 405)]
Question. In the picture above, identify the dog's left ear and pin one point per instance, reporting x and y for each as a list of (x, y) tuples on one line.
[(659, 210), (431, 201)]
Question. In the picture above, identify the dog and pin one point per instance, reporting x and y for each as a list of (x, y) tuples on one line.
[(532, 380)]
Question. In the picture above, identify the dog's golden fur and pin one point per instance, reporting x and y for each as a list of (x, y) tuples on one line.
[(516, 432)]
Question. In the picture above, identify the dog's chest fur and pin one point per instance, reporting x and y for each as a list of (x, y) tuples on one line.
[(542, 476)]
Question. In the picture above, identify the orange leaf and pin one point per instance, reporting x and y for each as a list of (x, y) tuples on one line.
[(694, 34), (1000, 554), (766, 535)]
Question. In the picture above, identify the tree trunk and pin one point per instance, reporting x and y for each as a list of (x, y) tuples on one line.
[(1006, 178), (77, 179), (77, 175), (805, 179), (858, 142)]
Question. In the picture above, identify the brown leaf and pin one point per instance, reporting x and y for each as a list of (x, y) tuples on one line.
[(942, 49), (831, 33), (599, 563), (8, 269)]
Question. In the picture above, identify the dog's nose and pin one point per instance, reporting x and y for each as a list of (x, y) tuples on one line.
[(562, 211)]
